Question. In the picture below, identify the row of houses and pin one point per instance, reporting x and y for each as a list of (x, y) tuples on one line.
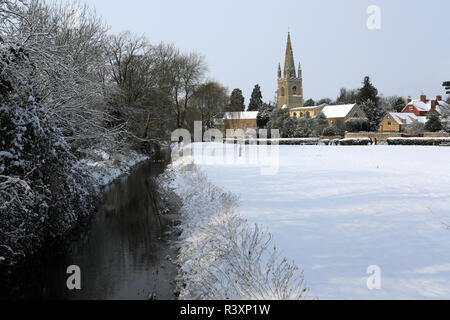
[(398, 122), (415, 111), (336, 115)]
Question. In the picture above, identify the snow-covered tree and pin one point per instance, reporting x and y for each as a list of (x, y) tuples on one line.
[(374, 113), (43, 190), (416, 128), (264, 115), (433, 124)]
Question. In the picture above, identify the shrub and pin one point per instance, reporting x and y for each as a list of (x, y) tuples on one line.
[(416, 128), (355, 142), (357, 125), (418, 141), (329, 132)]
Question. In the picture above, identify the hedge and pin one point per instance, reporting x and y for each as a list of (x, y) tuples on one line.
[(418, 141), (355, 142)]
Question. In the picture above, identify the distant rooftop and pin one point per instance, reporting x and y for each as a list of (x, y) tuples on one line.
[(247, 115), (338, 111)]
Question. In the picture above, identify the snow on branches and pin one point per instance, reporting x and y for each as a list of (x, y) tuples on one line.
[(221, 256)]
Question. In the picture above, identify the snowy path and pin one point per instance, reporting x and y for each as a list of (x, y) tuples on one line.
[(338, 210)]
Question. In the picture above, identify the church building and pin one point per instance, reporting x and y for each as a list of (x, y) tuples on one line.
[(290, 82)]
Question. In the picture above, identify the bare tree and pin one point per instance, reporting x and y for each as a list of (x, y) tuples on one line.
[(179, 75), (211, 99)]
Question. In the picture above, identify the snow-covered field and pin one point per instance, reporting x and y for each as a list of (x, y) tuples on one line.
[(336, 211)]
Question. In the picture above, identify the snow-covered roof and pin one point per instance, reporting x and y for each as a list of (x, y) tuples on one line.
[(338, 111), (305, 108), (441, 106), (407, 118), (248, 115)]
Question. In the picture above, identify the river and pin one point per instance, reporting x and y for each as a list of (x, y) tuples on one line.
[(122, 252)]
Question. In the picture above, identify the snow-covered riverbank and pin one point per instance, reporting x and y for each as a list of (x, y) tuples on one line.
[(221, 256), (105, 167)]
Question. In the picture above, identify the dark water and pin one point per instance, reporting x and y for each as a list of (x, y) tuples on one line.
[(122, 252)]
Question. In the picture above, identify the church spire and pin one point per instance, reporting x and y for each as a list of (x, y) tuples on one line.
[(289, 64), (279, 71)]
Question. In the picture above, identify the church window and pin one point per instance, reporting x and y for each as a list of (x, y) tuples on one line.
[(294, 90), (308, 114), (295, 115), (282, 92), (301, 114)]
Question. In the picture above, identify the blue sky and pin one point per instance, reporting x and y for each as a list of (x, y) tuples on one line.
[(243, 41)]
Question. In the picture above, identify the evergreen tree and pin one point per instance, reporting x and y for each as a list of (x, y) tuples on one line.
[(433, 124), (310, 103), (374, 114), (305, 128), (446, 85), (399, 104), (237, 101), (256, 99), (369, 102), (280, 120), (367, 92), (264, 115), (320, 123)]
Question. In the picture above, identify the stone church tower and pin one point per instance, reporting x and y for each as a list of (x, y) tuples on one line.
[(290, 84)]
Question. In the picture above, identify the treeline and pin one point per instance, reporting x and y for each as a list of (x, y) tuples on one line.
[(68, 87), (374, 105)]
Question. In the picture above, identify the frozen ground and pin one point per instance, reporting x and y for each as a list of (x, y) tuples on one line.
[(336, 211)]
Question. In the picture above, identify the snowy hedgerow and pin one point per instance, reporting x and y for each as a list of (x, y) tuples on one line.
[(222, 257), (355, 142), (43, 192), (418, 141)]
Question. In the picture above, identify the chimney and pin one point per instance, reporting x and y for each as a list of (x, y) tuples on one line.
[(433, 106), (438, 98), (409, 100), (423, 98)]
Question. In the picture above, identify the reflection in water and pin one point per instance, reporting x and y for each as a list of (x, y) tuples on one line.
[(123, 254)]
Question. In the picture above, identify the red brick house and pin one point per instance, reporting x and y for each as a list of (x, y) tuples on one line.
[(424, 107)]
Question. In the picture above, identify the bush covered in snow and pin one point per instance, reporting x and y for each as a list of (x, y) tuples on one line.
[(43, 192), (221, 256), (355, 142), (282, 141), (418, 141)]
